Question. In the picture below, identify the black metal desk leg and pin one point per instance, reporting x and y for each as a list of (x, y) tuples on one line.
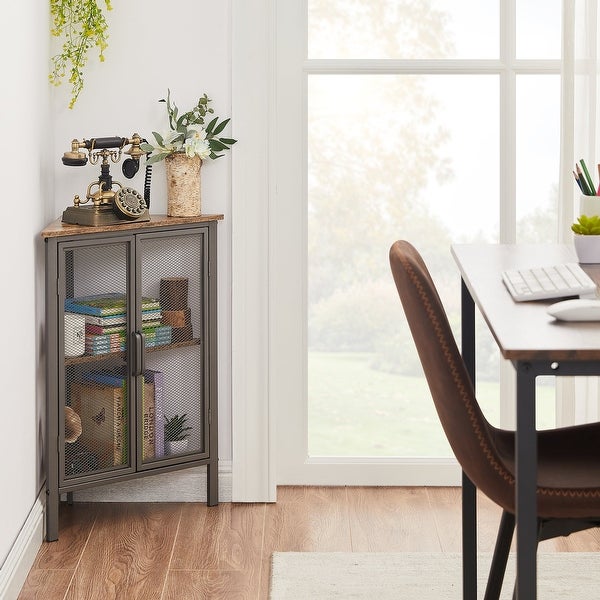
[(469, 538), (526, 469), (469, 492)]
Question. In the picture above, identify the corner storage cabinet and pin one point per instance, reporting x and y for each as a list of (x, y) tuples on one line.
[(131, 353)]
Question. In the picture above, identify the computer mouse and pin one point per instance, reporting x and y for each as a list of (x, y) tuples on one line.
[(576, 309)]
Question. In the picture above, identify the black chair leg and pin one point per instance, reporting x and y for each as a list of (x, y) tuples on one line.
[(500, 558)]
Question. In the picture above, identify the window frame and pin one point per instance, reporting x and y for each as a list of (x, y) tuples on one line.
[(269, 69)]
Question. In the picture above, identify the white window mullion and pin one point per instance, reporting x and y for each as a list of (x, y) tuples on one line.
[(508, 185), (507, 123)]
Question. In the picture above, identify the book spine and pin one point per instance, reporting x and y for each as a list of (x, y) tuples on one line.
[(103, 330), (118, 427), (106, 350), (116, 346), (158, 378), (119, 319), (102, 340), (104, 306), (148, 439), (86, 309), (151, 315), (105, 377)]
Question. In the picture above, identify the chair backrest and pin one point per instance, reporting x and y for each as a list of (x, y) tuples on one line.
[(470, 435)]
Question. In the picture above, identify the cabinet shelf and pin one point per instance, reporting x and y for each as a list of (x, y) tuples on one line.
[(94, 358)]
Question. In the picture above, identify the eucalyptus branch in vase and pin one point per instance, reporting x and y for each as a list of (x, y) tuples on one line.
[(189, 133)]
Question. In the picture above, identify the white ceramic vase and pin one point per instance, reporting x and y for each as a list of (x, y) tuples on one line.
[(587, 248)]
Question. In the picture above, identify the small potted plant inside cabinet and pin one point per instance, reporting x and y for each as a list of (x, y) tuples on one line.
[(176, 434)]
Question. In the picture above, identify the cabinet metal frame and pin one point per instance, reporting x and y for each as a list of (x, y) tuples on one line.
[(58, 243)]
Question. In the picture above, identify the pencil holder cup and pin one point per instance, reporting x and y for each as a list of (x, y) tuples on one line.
[(589, 205)]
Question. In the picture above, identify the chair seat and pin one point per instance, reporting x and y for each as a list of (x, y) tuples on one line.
[(568, 469)]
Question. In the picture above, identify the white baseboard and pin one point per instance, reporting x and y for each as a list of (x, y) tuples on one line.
[(22, 555), (187, 485)]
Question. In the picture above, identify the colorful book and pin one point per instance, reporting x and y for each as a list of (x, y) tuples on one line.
[(103, 350), (104, 330), (105, 340), (113, 377), (103, 413), (158, 379), (116, 342), (121, 318), (95, 329), (103, 305)]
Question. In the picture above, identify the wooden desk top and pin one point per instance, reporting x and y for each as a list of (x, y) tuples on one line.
[(59, 229), (524, 330)]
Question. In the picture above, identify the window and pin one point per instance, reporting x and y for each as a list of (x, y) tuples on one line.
[(412, 123)]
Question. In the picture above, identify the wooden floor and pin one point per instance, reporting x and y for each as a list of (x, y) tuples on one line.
[(190, 551)]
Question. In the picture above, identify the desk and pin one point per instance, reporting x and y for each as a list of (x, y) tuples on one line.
[(536, 345)]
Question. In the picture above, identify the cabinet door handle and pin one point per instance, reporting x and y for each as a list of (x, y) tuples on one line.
[(139, 356)]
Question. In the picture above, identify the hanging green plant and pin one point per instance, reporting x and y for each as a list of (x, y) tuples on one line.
[(82, 25)]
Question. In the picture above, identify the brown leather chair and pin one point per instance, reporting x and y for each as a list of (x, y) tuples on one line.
[(568, 485)]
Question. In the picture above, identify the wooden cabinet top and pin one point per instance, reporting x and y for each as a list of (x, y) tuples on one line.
[(59, 229)]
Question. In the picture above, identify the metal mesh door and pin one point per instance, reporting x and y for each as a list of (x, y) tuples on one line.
[(96, 412), (172, 415)]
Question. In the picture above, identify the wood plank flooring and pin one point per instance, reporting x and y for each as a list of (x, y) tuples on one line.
[(188, 551)]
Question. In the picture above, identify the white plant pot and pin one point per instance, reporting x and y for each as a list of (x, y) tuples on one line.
[(587, 248), (176, 446)]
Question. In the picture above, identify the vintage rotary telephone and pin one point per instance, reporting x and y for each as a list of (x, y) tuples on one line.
[(111, 202)]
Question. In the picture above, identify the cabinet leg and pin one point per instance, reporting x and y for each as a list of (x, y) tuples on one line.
[(51, 515), (212, 483)]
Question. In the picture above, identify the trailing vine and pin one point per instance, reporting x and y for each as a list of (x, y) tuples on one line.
[(82, 25)]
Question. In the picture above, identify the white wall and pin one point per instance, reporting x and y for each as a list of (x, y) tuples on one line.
[(27, 204), (153, 45), (183, 45)]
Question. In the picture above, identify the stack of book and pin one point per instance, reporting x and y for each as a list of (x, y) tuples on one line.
[(106, 322)]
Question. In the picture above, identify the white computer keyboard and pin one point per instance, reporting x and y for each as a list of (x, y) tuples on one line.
[(553, 281)]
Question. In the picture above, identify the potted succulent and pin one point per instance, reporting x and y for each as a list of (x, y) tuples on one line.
[(176, 434), (587, 238)]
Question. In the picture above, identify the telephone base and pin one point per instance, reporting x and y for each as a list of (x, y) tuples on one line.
[(97, 216)]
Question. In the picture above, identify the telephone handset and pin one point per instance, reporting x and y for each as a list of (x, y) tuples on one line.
[(112, 203)]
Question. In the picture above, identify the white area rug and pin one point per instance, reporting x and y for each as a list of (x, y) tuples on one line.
[(419, 576)]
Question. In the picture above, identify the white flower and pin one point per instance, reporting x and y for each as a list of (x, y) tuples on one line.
[(196, 143), (196, 131), (171, 142), (196, 147)]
